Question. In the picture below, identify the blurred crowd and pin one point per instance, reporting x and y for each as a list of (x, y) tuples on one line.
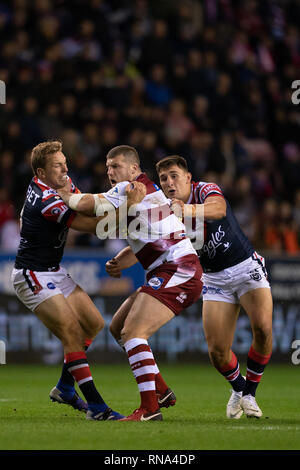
[(209, 80)]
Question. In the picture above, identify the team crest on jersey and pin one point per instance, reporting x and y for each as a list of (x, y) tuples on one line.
[(55, 210), (155, 282), (51, 286), (255, 275)]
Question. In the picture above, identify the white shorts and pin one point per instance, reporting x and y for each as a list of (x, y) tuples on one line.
[(231, 283), (33, 287)]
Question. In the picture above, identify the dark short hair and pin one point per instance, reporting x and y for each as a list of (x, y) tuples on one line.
[(41, 151), (129, 153), (169, 161)]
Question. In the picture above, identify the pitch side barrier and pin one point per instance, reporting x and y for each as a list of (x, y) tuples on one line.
[(24, 338)]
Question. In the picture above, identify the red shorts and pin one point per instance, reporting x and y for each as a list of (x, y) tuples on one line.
[(176, 285)]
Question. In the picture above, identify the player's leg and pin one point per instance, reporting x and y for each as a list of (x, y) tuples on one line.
[(165, 395), (219, 323), (58, 316), (258, 305), (91, 323), (145, 317), (120, 316), (87, 314)]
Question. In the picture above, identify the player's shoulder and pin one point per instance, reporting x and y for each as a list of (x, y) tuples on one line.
[(151, 187), (202, 189)]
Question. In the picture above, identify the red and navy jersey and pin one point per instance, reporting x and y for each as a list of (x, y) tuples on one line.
[(225, 244), (45, 221)]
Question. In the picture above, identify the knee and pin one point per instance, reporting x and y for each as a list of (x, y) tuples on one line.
[(71, 332), (218, 356), (262, 332), (115, 330), (100, 324)]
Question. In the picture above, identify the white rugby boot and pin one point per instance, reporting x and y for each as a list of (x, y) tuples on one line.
[(250, 407), (234, 409)]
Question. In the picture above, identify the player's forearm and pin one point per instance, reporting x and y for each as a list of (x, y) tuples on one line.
[(126, 258), (209, 210), (83, 203)]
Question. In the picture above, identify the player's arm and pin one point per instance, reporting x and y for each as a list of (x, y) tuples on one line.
[(91, 204), (124, 259), (84, 223), (213, 208)]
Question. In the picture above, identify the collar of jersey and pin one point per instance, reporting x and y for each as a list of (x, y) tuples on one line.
[(190, 196)]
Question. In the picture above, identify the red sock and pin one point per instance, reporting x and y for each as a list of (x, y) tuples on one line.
[(161, 386), (144, 368)]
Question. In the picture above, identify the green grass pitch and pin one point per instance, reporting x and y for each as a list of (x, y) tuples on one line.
[(30, 421)]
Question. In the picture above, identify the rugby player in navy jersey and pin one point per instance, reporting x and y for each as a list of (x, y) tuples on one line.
[(233, 276), (47, 289)]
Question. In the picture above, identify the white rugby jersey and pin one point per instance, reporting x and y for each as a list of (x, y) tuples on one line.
[(155, 234)]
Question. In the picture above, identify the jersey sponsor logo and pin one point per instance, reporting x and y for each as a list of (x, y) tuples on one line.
[(211, 290), (49, 193), (211, 246), (181, 297), (32, 196), (155, 282), (208, 189)]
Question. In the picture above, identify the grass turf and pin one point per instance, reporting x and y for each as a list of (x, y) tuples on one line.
[(29, 421)]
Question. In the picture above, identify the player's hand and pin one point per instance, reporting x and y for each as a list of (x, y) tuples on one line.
[(135, 192), (66, 188), (177, 207), (113, 269)]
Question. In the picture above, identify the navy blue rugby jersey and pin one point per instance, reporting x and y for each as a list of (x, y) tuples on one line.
[(225, 244), (45, 221)]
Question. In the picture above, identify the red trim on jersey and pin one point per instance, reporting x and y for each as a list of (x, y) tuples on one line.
[(150, 187), (153, 250), (215, 194)]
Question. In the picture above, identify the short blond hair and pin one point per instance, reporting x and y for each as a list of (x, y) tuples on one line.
[(129, 153), (41, 151)]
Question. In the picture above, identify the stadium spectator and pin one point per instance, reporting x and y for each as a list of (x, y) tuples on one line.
[(69, 64)]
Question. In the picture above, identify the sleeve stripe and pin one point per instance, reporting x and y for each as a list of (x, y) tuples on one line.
[(50, 205)]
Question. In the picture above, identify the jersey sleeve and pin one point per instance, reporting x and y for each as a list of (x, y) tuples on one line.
[(117, 194), (208, 189), (55, 210)]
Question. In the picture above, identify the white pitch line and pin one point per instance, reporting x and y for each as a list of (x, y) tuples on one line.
[(264, 428)]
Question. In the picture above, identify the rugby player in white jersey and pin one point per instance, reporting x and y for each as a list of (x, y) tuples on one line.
[(172, 268), (233, 276)]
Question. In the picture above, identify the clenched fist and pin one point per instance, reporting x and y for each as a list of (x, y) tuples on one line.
[(135, 192)]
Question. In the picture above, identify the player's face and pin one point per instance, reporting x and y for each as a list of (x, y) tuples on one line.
[(175, 183), (55, 170), (119, 169)]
